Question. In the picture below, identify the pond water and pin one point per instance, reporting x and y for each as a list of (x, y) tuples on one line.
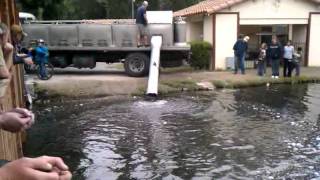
[(254, 133)]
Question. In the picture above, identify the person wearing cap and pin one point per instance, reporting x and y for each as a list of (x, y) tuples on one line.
[(240, 49), (4, 72), (17, 35), (142, 21), (42, 57)]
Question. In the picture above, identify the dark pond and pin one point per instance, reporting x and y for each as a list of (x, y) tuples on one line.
[(254, 133)]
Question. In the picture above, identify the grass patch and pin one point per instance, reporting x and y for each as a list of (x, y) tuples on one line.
[(183, 85), (170, 86), (177, 69), (140, 91), (164, 89)]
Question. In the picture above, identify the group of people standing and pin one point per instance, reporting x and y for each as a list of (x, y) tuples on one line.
[(273, 54)]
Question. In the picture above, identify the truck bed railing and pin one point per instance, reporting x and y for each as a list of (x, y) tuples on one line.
[(98, 21)]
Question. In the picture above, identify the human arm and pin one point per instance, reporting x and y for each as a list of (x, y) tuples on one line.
[(4, 72), (16, 120), (235, 46), (245, 47), (41, 51), (41, 168), (268, 52), (280, 50), (145, 16), (22, 59), (7, 49)]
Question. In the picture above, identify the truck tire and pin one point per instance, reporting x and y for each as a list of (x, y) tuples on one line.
[(137, 64)]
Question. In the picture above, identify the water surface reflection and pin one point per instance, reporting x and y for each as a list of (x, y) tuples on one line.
[(254, 133)]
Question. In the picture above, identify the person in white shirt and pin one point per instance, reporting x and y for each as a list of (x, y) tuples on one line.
[(288, 52)]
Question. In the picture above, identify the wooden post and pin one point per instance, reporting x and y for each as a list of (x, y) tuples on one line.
[(11, 90)]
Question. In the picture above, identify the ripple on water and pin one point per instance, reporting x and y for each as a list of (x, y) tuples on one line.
[(253, 133)]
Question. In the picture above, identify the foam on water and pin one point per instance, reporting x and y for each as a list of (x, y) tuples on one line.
[(157, 103)]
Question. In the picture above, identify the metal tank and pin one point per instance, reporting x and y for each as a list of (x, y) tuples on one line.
[(35, 32), (165, 30), (95, 35), (63, 35), (180, 32), (124, 35)]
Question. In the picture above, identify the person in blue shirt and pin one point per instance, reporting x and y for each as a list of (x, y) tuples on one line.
[(240, 49), (42, 57), (142, 21)]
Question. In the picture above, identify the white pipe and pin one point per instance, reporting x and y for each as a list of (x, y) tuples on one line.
[(156, 43)]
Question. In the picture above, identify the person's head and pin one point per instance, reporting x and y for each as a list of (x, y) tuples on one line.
[(145, 4), (264, 46), (274, 39), (3, 34), (241, 36), (299, 49), (289, 43), (40, 42), (17, 32), (246, 38)]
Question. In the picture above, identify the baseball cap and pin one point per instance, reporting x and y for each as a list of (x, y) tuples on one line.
[(17, 29), (40, 41)]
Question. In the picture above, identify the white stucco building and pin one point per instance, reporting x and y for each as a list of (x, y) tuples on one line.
[(221, 21)]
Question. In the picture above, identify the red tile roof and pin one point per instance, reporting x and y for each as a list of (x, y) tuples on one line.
[(210, 6)]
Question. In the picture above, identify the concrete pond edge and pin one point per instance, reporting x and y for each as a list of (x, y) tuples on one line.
[(176, 86)]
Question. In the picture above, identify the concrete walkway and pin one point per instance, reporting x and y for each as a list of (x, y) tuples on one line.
[(106, 82)]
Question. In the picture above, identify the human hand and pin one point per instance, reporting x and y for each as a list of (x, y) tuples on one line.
[(16, 120), (28, 60), (7, 48), (41, 168)]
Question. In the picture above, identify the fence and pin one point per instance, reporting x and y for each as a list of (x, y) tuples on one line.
[(11, 90)]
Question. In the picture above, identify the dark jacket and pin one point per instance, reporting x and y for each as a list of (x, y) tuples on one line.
[(140, 15), (274, 51), (240, 48)]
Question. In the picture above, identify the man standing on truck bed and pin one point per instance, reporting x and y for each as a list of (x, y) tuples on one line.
[(142, 21)]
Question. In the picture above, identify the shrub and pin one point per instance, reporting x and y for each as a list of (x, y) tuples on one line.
[(201, 54)]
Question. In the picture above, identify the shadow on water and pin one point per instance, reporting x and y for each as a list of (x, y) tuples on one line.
[(254, 133)]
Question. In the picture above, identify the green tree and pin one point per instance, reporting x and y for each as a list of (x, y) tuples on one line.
[(94, 9)]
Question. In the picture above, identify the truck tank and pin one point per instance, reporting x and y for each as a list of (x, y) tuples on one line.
[(95, 35), (180, 32), (83, 43)]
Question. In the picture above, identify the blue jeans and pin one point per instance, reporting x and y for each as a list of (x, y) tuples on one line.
[(261, 67), (275, 63), (43, 72), (239, 63)]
